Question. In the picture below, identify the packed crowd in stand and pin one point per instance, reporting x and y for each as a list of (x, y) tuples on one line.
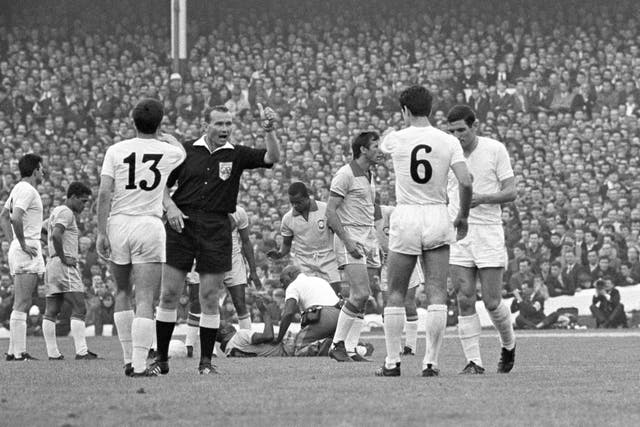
[(559, 85)]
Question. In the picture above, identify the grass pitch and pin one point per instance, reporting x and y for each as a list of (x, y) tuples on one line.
[(572, 378)]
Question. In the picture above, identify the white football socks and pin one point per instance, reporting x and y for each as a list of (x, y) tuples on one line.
[(469, 330), (142, 332), (192, 335), (353, 336), (18, 325), (49, 332), (123, 321), (501, 319), (78, 333), (436, 325), (244, 322), (393, 324), (411, 334), (345, 321)]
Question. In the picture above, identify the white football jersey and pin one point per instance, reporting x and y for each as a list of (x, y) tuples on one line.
[(489, 164), (240, 221), (140, 168), (421, 158), (26, 197)]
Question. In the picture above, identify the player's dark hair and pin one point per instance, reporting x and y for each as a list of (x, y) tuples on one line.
[(78, 189), (298, 188), (147, 115), (363, 140), (417, 99), (28, 164), (461, 112)]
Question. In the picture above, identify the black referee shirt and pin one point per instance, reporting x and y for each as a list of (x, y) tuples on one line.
[(210, 181)]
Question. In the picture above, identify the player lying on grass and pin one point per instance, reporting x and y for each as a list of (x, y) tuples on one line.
[(246, 343)]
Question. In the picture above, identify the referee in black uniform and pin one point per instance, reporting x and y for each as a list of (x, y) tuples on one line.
[(198, 224)]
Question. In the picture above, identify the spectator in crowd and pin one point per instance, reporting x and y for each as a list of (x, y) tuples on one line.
[(529, 302), (563, 98), (606, 306)]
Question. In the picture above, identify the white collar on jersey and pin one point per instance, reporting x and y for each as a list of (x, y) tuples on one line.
[(202, 143)]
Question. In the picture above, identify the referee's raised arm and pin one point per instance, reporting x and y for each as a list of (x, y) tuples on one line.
[(268, 117)]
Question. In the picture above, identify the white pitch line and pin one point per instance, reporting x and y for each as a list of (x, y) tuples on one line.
[(633, 334)]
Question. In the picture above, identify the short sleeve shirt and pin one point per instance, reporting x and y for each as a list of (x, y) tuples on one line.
[(241, 222), (309, 291), (26, 197), (241, 340), (310, 236), (358, 190), (140, 168), (489, 164), (64, 216), (421, 159)]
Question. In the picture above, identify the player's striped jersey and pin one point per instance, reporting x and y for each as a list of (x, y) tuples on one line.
[(26, 197), (421, 158), (488, 164), (140, 168)]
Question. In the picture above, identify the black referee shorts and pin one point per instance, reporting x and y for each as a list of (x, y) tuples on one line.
[(205, 238)]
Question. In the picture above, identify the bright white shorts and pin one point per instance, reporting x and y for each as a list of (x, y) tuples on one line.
[(238, 273), (417, 228), (417, 277), (21, 262), (483, 247), (61, 278), (367, 242), (136, 239), (324, 266)]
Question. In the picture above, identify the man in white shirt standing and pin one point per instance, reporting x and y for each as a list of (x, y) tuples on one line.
[(420, 225), (482, 255), (131, 234), (21, 221)]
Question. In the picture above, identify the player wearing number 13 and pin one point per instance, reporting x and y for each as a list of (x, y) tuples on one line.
[(420, 224), (130, 230)]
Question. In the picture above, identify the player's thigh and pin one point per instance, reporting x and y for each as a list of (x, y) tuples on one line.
[(491, 285), (358, 277), (121, 274), (53, 305), (78, 305), (410, 302), (435, 264), (147, 278), (24, 285), (210, 286), (172, 284), (399, 269), (487, 245)]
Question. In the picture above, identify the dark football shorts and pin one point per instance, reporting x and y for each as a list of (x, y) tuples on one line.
[(205, 238)]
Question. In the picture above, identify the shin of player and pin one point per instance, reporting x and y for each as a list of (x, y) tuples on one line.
[(21, 221), (481, 255)]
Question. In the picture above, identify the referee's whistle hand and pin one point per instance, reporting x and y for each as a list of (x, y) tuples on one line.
[(176, 218)]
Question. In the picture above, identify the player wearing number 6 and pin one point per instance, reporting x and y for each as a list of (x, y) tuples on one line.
[(420, 226), (130, 230)]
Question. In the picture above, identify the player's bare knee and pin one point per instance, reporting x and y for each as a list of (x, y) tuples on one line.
[(467, 304), (169, 298), (491, 303)]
